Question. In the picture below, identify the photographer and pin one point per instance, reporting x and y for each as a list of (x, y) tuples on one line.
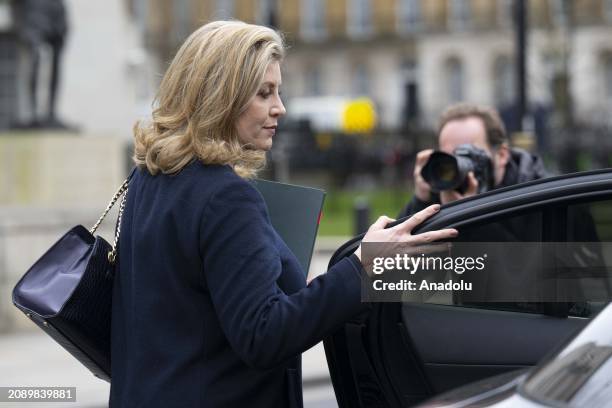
[(482, 129), (474, 157)]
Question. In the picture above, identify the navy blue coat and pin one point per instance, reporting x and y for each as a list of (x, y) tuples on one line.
[(210, 307)]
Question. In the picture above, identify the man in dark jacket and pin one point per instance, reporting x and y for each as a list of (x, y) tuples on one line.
[(482, 127)]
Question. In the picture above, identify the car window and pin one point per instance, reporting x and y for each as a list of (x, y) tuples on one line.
[(592, 222), (597, 214), (576, 222)]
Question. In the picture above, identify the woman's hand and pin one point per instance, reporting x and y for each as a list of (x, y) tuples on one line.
[(402, 233)]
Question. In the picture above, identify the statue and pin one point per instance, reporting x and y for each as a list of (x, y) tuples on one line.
[(40, 23)]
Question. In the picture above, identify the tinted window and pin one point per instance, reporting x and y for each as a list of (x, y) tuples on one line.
[(577, 222)]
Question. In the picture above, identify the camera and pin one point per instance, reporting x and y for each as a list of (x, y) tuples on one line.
[(445, 171)]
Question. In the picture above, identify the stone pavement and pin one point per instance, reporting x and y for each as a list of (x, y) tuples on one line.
[(31, 358)]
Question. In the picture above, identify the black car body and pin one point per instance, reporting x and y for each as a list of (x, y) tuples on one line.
[(580, 375), (404, 353)]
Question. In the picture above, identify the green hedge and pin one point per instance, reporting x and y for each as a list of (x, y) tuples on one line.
[(338, 210)]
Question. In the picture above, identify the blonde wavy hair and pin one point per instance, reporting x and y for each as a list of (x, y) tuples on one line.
[(208, 85)]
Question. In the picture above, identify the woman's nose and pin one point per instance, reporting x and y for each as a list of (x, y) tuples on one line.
[(278, 109)]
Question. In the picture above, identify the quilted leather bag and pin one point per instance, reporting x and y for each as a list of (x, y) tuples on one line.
[(68, 292)]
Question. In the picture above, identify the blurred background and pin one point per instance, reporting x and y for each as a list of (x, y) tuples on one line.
[(364, 82)]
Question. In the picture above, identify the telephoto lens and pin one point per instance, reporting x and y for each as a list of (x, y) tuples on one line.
[(445, 171)]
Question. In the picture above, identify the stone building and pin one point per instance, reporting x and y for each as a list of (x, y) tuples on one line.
[(414, 57)]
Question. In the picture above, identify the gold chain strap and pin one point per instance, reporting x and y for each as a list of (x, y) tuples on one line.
[(113, 253), (121, 191)]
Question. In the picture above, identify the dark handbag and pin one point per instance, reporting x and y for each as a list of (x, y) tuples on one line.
[(68, 292)]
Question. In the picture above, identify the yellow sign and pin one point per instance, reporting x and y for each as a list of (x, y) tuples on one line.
[(359, 116)]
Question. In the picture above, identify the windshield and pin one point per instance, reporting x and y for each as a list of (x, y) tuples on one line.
[(581, 375)]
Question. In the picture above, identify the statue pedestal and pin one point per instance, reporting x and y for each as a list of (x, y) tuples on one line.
[(55, 169)]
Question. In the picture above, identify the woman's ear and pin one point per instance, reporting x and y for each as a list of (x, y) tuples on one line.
[(500, 160), (502, 155)]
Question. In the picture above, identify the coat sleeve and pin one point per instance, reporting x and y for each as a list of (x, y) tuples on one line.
[(241, 265)]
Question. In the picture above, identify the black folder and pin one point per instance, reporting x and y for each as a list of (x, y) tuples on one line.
[(295, 213)]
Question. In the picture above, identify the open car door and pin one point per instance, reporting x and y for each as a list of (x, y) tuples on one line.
[(403, 353)]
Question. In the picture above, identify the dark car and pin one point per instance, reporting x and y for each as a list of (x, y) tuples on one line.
[(405, 353), (580, 375)]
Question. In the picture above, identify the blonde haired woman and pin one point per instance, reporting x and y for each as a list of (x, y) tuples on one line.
[(210, 307)]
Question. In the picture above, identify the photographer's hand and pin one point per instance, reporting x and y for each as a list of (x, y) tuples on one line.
[(421, 188), (448, 196)]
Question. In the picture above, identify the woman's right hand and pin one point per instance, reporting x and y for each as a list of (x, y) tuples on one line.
[(402, 233)]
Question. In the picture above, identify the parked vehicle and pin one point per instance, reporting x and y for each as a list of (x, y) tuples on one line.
[(578, 376), (404, 353)]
